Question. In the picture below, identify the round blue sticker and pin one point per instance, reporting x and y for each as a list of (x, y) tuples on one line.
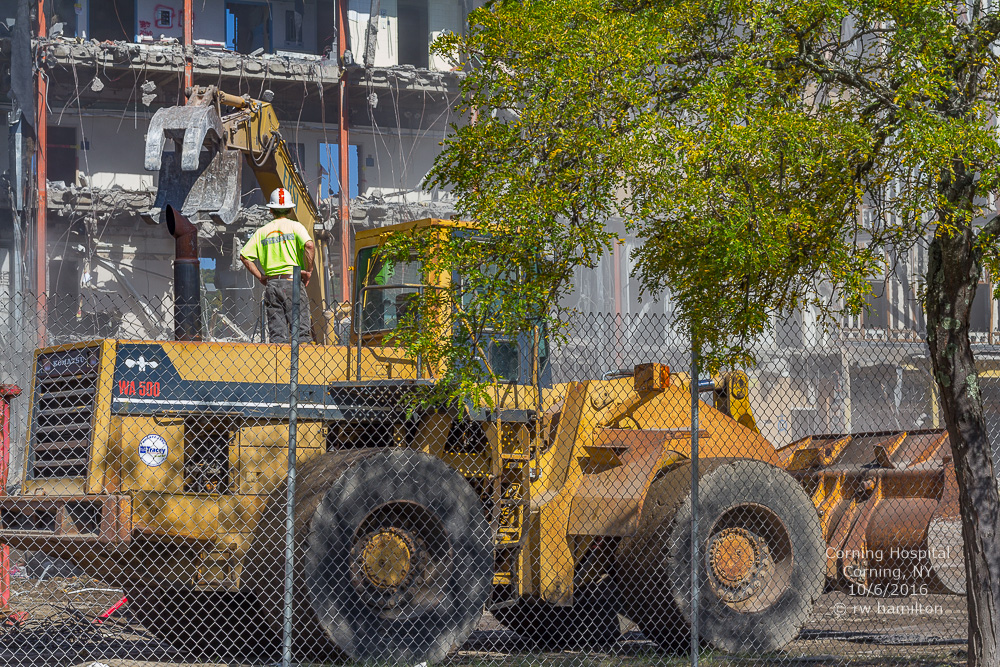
[(153, 450)]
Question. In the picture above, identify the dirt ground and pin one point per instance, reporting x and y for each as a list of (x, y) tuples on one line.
[(906, 632)]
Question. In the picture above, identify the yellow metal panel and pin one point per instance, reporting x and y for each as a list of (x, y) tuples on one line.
[(371, 237), (167, 477), (529, 560), (67, 486), (224, 362), (199, 517), (263, 453), (383, 363), (513, 397), (111, 467), (318, 364), (256, 362), (560, 477), (671, 409), (433, 434)]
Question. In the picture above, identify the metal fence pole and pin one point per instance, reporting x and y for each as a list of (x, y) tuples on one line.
[(293, 409), (694, 505)]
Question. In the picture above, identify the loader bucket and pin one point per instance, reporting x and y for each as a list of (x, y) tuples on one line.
[(200, 178), (888, 507)]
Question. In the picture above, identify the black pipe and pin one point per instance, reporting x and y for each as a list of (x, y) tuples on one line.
[(187, 277)]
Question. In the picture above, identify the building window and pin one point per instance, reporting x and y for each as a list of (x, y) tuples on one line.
[(293, 28), (164, 17), (112, 20), (413, 35), (248, 27), (64, 12), (329, 170), (877, 313), (61, 155), (979, 314)]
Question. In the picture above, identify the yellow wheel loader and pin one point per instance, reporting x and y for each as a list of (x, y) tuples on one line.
[(160, 467)]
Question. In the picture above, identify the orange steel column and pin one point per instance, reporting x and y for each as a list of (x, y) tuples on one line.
[(188, 44), (345, 176), (41, 184)]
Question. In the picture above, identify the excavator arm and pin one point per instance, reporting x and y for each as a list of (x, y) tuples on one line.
[(253, 129), (201, 176)]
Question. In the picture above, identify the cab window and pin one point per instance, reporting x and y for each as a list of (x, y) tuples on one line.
[(383, 289)]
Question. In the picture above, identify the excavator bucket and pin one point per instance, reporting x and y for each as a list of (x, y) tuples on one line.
[(200, 177)]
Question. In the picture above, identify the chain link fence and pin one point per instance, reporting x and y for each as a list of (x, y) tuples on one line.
[(147, 510)]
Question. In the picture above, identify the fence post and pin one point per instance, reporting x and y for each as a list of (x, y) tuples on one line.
[(694, 505), (293, 409)]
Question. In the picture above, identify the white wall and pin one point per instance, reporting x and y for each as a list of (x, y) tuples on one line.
[(116, 150), (358, 12)]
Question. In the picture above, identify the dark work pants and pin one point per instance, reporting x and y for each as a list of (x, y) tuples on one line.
[(278, 304)]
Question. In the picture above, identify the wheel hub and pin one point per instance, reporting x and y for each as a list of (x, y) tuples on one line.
[(739, 562), (384, 560)]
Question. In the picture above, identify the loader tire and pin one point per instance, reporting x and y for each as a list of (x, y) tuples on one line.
[(398, 562), (761, 562), (591, 622)]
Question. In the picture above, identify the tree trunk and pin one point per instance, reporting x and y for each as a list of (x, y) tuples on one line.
[(952, 275)]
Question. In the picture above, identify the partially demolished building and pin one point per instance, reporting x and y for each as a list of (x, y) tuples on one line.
[(363, 105), (100, 70)]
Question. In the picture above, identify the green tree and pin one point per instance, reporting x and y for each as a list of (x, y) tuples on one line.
[(552, 173), (741, 138)]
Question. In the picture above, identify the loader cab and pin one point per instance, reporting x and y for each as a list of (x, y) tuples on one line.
[(384, 292)]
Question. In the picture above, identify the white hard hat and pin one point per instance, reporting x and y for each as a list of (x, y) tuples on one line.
[(281, 198)]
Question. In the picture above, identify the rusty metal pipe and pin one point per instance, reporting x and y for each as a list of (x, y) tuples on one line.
[(187, 277), (7, 392), (188, 43)]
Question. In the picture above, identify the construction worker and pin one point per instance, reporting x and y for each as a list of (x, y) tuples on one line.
[(279, 246)]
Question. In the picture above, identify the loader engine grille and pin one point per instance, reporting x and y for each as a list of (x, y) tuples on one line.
[(63, 412)]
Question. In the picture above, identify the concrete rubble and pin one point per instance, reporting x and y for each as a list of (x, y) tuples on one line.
[(170, 57)]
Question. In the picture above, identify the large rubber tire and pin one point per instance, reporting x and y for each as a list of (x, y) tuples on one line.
[(398, 563), (591, 622), (761, 566)]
